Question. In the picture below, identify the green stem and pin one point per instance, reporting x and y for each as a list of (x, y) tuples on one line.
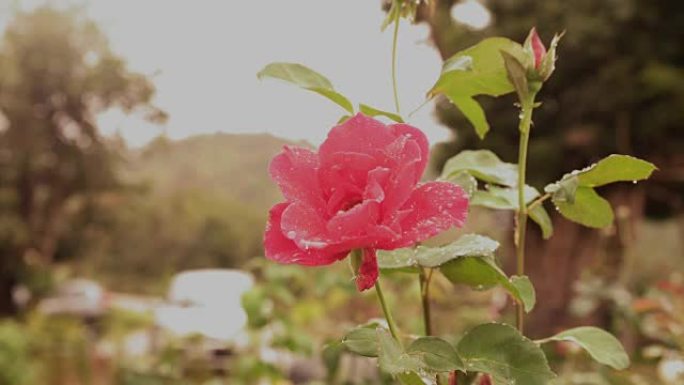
[(538, 201), (355, 260), (521, 222), (385, 310), (425, 300), (424, 280), (395, 38)]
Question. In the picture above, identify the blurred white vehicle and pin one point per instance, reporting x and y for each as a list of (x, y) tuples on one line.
[(206, 303), (77, 297)]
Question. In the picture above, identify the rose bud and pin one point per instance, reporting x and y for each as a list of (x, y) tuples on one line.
[(543, 61)]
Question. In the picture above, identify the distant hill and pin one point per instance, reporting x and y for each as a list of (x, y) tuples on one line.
[(233, 166)]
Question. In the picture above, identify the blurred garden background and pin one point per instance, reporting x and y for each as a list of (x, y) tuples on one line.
[(134, 144)]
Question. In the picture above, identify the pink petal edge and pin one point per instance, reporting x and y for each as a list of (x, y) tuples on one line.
[(295, 172), (279, 248), (432, 208)]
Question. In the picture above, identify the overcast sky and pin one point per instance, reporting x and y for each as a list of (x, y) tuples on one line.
[(205, 54)]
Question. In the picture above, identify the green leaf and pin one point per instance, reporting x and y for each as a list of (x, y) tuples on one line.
[(478, 272), (565, 189), (539, 215), (517, 74), (305, 78), (505, 354), (502, 198), (392, 358), (466, 245), (507, 199), (373, 112), (471, 109), (336, 97), (601, 345), (588, 209), (483, 165), (526, 291), (436, 354), (478, 70), (616, 168), (482, 273), (576, 199), (463, 178), (458, 63), (331, 354), (363, 341), (295, 74), (484, 198), (410, 378), (397, 259)]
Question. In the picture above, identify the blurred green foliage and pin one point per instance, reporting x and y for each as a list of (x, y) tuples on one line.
[(44, 350), (15, 367)]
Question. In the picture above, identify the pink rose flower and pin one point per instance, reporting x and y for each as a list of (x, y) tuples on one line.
[(359, 191)]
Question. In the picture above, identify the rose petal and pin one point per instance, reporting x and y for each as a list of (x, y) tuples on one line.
[(280, 249), (538, 48), (368, 271), (421, 140), (349, 169), (432, 208), (295, 171), (381, 235), (377, 179), (304, 225), (398, 190), (408, 155), (360, 134), (405, 174), (342, 198), (402, 151), (354, 222)]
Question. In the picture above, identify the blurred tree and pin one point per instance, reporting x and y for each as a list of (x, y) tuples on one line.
[(144, 238), (199, 202), (618, 87), (56, 74)]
